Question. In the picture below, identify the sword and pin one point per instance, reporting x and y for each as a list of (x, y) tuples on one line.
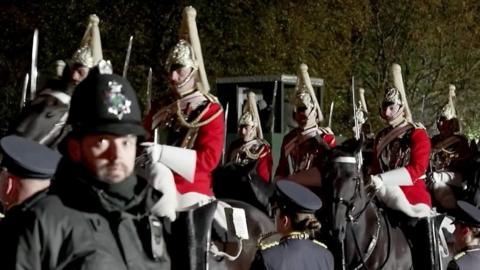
[(357, 126), (330, 115), (148, 106), (355, 120), (33, 69), (225, 133), (23, 102), (274, 104), (127, 58)]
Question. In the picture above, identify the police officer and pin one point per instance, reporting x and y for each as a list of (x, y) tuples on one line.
[(294, 207), (26, 169), (467, 237), (96, 214)]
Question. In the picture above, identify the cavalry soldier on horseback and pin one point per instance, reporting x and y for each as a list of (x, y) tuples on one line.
[(301, 149), (96, 213), (53, 101), (249, 162), (297, 248), (251, 147), (450, 153), (188, 137), (401, 155), (467, 237)]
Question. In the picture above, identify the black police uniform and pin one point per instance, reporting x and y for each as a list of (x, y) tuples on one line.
[(83, 222), (296, 250), (469, 258)]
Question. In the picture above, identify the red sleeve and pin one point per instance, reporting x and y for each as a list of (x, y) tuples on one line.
[(264, 166), (420, 153), (209, 144)]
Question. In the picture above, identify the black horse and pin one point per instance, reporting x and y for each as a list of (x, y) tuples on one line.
[(363, 237)]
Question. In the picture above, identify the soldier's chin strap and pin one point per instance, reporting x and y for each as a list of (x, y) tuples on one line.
[(187, 79)]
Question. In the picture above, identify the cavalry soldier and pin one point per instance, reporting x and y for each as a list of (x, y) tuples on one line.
[(301, 147), (96, 214), (401, 154), (26, 169), (246, 174), (251, 147), (43, 120), (295, 208), (450, 153), (467, 238), (190, 136)]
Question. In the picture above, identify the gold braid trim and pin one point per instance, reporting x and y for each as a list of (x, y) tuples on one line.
[(254, 155), (196, 122)]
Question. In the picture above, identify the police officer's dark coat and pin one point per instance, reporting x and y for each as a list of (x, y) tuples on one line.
[(73, 226), (290, 253), (469, 259)]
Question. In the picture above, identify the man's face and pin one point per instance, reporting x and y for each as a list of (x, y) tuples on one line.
[(78, 73), (390, 112), (247, 132), (178, 77), (110, 158), (303, 114), (444, 126)]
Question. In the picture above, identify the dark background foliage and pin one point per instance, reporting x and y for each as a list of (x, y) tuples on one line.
[(436, 42)]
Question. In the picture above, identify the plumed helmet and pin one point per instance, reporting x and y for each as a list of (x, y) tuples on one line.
[(105, 103), (448, 111), (188, 51), (250, 116), (304, 94), (90, 51), (392, 96), (181, 55)]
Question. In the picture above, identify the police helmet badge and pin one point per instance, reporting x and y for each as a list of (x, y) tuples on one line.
[(117, 103)]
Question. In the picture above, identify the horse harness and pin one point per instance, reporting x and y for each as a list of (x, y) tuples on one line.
[(353, 218)]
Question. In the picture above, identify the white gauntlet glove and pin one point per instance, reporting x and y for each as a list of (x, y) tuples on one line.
[(161, 178), (180, 160), (378, 184)]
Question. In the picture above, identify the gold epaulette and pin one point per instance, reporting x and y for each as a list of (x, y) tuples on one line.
[(211, 98), (418, 125), (268, 240), (326, 130), (459, 255), (320, 243)]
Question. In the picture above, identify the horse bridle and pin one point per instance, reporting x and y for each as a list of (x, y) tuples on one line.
[(353, 218)]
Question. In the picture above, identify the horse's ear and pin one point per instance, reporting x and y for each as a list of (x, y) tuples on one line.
[(353, 145)]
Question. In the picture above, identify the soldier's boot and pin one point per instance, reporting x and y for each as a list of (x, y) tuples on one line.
[(190, 238), (424, 246)]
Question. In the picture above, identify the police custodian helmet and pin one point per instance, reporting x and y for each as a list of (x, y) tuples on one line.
[(105, 103)]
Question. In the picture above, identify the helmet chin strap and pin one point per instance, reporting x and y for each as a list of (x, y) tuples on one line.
[(396, 118), (186, 80)]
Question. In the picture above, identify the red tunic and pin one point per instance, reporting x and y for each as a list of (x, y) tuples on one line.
[(411, 151), (208, 145), (302, 149)]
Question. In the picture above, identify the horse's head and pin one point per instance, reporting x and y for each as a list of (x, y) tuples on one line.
[(342, 185)]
